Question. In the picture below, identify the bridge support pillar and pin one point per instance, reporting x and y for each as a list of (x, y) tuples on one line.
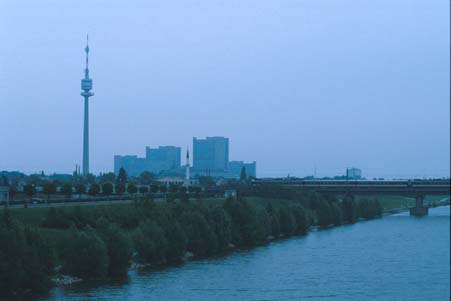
[(419, 209)]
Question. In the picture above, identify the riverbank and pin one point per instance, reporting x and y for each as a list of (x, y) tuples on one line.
[(341, 263), (99, 242)]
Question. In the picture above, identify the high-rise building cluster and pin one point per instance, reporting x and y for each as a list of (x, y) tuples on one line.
[(210, 158)]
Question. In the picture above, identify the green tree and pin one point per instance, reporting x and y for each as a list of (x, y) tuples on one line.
[(221, 224), (151, 243), (49, 188), (287, 222), (80, 189), (301, 219), (119, 188), (349, 209), (154, 188), (119, 247), (66, 189), (173, 188), (107, 188), (163, 189), (201, 238), (94, 189), (132, 189), (29, 190), (13, 190), (274, 220), (143, 189), (85, 255), (89, 179), (337, 214), (107, 177), (146, 178), (56, 219), (26, 260), (243, 174), (246, 230), (122, 177), (206, 181), (176, 240), (378, 210), (324, 213)]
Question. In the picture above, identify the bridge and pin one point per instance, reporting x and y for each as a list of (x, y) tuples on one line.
[(413, 188)]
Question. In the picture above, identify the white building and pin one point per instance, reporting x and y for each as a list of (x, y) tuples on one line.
[(353, 173)]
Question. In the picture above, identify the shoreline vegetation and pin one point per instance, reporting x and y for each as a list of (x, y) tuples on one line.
[(44, 247)]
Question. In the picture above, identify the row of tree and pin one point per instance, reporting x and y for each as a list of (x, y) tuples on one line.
[(107, 188)]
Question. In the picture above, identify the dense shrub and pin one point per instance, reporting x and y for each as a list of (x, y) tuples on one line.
[(369, 208), (26, 260), (85, 255), (202, 239), (119, 247), (98, 241), (287, 222), (221, 225), (324, 213), (301, 219), (57, 218), (151, 243), (246, 229), (176, 240), (349, 209)]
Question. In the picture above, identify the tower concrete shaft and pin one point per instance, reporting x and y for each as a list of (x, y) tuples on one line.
[(86, 138), (86, 86)]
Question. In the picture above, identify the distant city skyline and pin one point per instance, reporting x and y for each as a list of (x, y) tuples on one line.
[(294, 87), (210, 158)]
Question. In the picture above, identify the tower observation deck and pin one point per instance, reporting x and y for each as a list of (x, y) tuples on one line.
[(86, 86)]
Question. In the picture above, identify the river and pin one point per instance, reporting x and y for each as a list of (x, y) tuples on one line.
[(397, 257)]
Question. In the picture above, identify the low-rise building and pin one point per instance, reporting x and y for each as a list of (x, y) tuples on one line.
[(353, 173), (4, 194)]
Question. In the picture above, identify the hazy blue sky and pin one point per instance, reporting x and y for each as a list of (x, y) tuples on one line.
[(293, 84)]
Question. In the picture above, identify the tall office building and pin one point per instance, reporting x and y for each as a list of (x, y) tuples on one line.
[(133, 165), (234, 169), (164, 157), (86, 86), (210, 154)]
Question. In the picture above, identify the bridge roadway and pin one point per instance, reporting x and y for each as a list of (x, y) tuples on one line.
[(416, 188), (359, 187)]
